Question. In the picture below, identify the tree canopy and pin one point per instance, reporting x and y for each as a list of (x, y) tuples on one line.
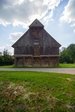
[(68, 54), (6, 58)]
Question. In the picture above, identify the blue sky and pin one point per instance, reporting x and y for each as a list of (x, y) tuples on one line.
[(58, 17)]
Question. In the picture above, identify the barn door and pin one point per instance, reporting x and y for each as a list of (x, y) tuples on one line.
[(36, 50)]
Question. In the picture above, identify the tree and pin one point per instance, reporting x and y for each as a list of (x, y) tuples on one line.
[(68, 54), (6, 58), (64, 57), (1, 60), (0, 53), (71, 52)]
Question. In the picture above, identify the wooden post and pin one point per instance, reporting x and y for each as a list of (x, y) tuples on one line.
[(15, 61), (40, 61), (31, 61), (48, 61), (24, 60)]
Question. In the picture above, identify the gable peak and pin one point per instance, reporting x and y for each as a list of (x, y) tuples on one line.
[(36, 23)]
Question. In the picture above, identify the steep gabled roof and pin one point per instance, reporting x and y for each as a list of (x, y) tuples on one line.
[(51, 41), (26, 34), (36, 23), (48, 40)]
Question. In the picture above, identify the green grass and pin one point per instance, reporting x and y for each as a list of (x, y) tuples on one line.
[(7, 66), (66, 65), (60, 66), (36, 92)]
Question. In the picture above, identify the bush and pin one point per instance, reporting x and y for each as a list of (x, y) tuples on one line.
[(6, 59), (68, 54)]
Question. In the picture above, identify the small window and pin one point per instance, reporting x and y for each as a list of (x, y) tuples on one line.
[(36, 42)]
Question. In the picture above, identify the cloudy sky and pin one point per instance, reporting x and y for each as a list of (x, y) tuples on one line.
[(58, 17)]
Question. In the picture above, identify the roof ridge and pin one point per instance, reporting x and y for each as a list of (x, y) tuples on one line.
[(36, 23)]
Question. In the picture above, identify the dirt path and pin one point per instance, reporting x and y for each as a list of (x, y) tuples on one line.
[(57, 70)]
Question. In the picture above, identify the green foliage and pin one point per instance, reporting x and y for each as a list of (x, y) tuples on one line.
[(6, 59), (65, 57), (68, 54), (71, 52)]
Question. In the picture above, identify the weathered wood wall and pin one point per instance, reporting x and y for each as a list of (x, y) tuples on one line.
[(37, 61), (36, 42), (31, 49)]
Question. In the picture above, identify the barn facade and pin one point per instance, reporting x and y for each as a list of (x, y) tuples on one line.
[(36, 48)]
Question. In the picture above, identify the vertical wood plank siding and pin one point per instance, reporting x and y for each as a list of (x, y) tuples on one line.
[(36, 42)]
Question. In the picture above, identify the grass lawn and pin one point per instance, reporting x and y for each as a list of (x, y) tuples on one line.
[(66, 65), (60, 66), (7, 66), (36, 92)]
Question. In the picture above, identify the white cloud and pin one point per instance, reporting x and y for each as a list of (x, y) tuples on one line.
[(7, 47), (1, 48), (23, 12), (69, 13), (15, 36)]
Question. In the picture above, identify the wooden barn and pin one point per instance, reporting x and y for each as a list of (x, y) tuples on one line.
[(36, 48)]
